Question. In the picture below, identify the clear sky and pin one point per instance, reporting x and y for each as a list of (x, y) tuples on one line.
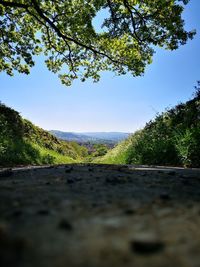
[(121, 103)]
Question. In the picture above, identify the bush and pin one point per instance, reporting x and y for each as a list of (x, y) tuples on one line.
[(172, 138)]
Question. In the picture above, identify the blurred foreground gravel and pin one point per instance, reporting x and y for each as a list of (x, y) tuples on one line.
[(86, 215)]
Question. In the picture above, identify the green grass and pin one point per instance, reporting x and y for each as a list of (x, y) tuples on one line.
[(171, 139), (117, 155), (49, 156), (23, 143)]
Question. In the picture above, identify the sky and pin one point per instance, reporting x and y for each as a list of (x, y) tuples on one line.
[(115, 103)]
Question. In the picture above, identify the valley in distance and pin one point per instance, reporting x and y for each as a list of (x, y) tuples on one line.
[(93, 137), (93, 141)]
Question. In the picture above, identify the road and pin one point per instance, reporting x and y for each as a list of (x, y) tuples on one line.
[(87, 215)]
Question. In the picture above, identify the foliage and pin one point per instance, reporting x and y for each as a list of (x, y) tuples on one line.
[(21, 142), (48, 141), (115, 156), (99, 150), (172, 138), (64, 32)]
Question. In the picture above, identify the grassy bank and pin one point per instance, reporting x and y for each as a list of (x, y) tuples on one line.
[(172, 138), (22, 143)]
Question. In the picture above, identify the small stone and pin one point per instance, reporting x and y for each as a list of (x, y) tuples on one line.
[(164, 196), (43, 212), (146, 246), (68, 169), (17, 213), (171, 173), (65, 225), (129, 212), (70, 181)]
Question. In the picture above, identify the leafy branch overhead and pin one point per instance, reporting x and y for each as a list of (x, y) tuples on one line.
[(64, 31)]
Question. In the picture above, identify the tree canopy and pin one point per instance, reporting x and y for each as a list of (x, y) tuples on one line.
[(64, 31)]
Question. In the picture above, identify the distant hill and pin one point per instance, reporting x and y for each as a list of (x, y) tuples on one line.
[(95, 137), (22, 143), (112, 136), (172, 138), (69, 136)]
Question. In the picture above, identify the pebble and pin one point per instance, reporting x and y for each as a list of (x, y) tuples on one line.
[(43, 212), (146, 245), (129, 212), (165, 196), (17, 213), (171, 173), (70, 181), (65, 225), (68, 169)]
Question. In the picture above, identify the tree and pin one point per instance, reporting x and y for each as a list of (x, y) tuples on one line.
[(63, 30)]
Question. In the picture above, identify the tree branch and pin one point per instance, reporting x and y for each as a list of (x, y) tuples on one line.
[(64, 37), (132, 20), (41, 14), (111, 11)]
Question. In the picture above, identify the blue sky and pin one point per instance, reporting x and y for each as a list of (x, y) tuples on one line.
[(121, 103)]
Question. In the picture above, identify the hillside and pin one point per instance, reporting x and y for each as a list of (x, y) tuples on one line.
[(172, 138), (93, 137), (70, 136), (114, 137), (23, 143)]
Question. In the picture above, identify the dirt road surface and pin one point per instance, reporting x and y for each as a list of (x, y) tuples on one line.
[(88, 215)]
